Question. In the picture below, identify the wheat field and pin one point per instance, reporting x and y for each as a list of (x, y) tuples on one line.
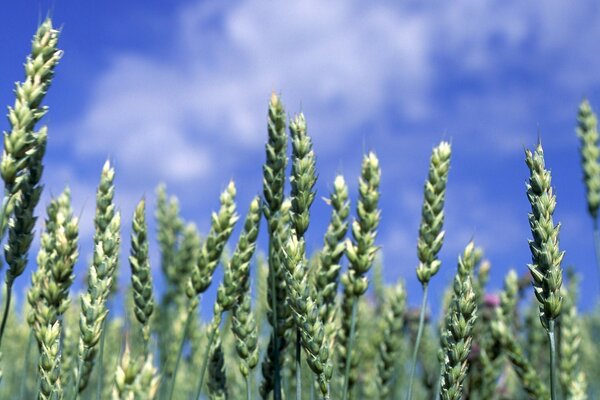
[(286, 323)]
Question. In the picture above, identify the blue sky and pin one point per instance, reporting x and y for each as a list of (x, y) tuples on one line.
[(177, 92)]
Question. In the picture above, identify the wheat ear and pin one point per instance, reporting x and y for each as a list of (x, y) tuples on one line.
[(545, 268), (200, 279), (431, 235), (101, 275), (141, 276), (457, 334), (235, 281), (361, 255), (21, 166), (274, 175), (391, 344)]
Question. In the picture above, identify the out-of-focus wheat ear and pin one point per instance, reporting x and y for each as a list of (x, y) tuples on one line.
[(169, 227), (389, 348), (326, 282), (141, 275), (457, 333), (572, 377), (501, 331), (135, 378), (587, 132), (546, 256), (217, 380), (21, 166)]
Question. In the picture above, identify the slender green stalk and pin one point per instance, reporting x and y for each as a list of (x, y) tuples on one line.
[(23, 388), (298, 366), (597, 244), (418, 341), (349, 350), (6, 310), (431, 235), (205, 359), (248, 388), (186, 327), (222, 225), (552, 346), (274, 324), (100, 379)]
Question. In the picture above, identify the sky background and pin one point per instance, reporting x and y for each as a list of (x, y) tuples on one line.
[(177, 92)]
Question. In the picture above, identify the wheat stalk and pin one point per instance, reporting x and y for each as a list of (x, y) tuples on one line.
[(457, 334), (305, 312), (431, 235), (273, 193), (21, 165), (546, 257), (327, 275), (361, 254), (302, 181), (200, 279), (235, 281), (101, 275)]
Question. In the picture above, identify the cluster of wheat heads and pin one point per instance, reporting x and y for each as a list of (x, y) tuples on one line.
[(288, 324)]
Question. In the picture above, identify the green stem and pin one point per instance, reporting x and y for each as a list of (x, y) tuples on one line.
[(298, 366), (597, 245), (349, 349), (417, 343), (274, 324), (248, 391), (211, 338), (6, 309), (188, 318), (552, 359), (23, 389), (100, 362), (77, 379)]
